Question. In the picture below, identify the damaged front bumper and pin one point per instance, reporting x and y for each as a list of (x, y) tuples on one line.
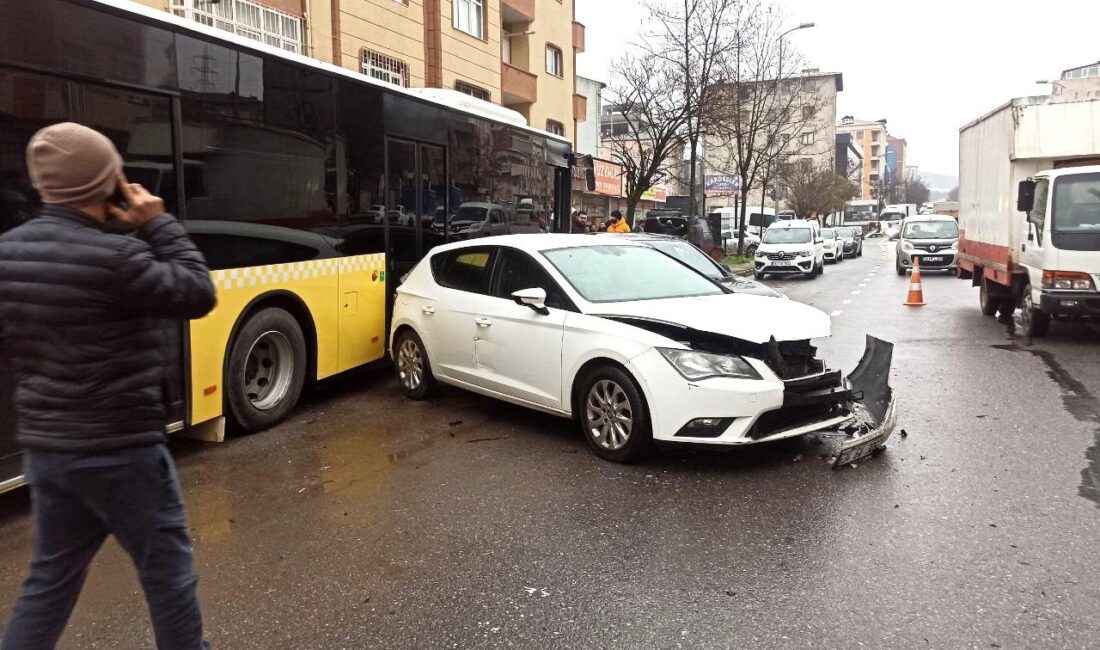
[(728, 411)]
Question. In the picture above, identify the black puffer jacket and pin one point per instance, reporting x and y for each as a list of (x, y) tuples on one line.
[(82, 315)]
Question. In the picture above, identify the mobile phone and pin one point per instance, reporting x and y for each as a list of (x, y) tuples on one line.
[(118, 199)]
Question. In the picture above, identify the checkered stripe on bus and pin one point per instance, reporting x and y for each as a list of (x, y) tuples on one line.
[(260, 276)]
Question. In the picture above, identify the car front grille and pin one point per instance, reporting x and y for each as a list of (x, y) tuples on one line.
[(781, 256)]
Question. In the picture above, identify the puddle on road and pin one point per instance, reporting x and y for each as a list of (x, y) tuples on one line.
[(1077, 399)]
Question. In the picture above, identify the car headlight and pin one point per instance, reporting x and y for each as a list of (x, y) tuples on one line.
[(694, 366), (955, 245), (805, 253), (906, 246), (761, 254)]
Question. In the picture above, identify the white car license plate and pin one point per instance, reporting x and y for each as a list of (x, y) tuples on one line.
[(932, 259), (781, 263)]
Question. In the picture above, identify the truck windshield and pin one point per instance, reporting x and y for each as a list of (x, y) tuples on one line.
[(931, 230), (1077, 203)]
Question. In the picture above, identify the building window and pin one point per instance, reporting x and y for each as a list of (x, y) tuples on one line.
[(385, 68), (469, 16), (808, 137), (554, 63), (557, 128), (874, 136), (809, 85), (808, 112), (859, 135), (245, 18), (473, 91)]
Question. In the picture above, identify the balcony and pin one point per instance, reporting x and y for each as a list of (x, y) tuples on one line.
[(517, 86), (517, 11), (578, 37), (580, 108)]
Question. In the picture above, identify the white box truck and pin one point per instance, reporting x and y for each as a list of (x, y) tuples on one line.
[(1029, 210)]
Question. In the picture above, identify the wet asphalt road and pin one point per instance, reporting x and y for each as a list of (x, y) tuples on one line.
[(367, 521)]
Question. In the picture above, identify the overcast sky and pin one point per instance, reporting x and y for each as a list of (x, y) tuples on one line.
[(927, 66)]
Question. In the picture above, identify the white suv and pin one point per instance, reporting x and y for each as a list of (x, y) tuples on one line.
[(790, 247)]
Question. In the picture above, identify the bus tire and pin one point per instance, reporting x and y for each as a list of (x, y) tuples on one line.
[(267, 369)]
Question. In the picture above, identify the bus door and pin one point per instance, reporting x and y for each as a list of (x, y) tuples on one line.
[(416, 205)]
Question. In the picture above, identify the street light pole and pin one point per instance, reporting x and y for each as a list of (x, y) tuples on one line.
[(779, 82)]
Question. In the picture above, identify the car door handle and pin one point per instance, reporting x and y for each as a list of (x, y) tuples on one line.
[(483, 322), (428, 310)]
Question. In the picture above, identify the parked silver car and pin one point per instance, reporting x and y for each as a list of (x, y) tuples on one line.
[(934, 238)]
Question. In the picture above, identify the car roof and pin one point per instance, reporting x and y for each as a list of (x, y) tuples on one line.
[(536, 242), (793, 223)]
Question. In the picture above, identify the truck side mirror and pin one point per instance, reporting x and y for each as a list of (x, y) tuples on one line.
[(1025, 196)]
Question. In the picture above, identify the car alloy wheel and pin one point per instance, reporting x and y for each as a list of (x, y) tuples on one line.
[(410, 364), (414, 369), (608, 414)]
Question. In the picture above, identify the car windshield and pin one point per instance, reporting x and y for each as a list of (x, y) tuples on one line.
[(1077, 203), (847, 232), (931, 230), (627, 273), (469, 213), (787, 236), (828, 233), (689, 255)]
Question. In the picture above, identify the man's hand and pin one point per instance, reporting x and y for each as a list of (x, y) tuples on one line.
[(144, 207)]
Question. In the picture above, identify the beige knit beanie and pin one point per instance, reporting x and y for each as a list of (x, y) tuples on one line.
[(70, 164)]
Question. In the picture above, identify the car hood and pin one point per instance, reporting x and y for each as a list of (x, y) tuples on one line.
[(756, 319), (741, 285)]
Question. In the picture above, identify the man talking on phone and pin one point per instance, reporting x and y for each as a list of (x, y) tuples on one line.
[(81, 315)]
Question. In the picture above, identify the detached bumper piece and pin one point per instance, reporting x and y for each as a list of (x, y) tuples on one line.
[(861, 404)]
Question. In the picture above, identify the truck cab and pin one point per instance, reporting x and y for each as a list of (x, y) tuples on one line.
[(1060, 252)]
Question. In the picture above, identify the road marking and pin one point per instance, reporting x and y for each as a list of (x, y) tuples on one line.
[(856, 293), (846, 301), (836, 313), (863, 285)]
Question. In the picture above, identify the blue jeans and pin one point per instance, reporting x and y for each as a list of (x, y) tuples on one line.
[(79, 499)]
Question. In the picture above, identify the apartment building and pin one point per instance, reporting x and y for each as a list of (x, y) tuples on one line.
[(895, 160), (871, 137), (808, 138), (520, 54)]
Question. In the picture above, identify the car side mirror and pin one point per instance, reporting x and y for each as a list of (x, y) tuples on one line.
[(535, 298), (1025, 196), (819, 240)]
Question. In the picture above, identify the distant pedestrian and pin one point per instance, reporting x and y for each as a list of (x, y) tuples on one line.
[(580, 222), (617, 223), (82, 313)]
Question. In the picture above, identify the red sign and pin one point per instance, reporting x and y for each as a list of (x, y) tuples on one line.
[(609, 178)]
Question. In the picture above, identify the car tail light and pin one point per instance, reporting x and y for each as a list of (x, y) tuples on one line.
[(1067, 281)]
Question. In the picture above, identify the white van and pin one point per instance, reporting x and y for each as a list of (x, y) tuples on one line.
[(790, 247)]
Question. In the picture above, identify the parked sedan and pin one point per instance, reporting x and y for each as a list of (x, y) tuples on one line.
[(631, 343), (834, 246), (852, 239)]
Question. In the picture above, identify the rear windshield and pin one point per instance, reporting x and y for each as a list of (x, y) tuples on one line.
[(931, 230)]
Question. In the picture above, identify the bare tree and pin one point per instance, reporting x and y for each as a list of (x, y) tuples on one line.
[(691, 39), (760, 105), (915, 191), (815, 190), (647, 127)]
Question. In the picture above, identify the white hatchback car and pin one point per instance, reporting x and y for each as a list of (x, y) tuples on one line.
[(632, 343)]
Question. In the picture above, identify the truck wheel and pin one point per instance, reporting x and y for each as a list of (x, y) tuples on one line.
[(1035, 321), (267, 369), (989, 302)]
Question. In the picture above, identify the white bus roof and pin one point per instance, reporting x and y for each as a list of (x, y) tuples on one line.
[(442, 97)]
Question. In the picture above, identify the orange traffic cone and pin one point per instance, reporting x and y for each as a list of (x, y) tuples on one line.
[(916, 292)]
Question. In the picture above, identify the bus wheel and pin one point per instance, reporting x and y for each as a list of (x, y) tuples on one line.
[(267, 368)]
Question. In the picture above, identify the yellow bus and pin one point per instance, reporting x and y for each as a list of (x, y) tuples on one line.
[(311, 189)]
